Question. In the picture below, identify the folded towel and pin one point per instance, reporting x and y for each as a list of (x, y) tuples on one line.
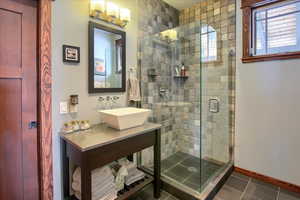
[(103, 183), (134, 92), (97, 175), (120, 178), (129, 165), (105, 190), (134, 177), (110, 195), (78, 195), (76, 185)]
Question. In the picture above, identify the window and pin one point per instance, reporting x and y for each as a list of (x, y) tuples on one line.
[(208, 44), (271, 30)]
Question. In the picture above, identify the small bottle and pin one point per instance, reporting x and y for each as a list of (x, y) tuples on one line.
[(182, 71)]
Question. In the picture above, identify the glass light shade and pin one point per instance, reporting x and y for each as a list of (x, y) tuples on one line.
[(112, 9), (125, 14), (165, 33), (173, 35), (98, 5)]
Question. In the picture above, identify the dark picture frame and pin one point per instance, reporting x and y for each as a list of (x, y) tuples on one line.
[(71, 54), (91, 75)]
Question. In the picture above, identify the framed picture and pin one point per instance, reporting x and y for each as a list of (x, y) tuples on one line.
[(71, 54), (100, 68)]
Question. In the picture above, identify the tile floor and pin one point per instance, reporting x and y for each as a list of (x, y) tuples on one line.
[(237, 187), (240, 187), (189, 170), (147, 194)]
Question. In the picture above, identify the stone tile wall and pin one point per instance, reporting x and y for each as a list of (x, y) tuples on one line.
[(156, 16)]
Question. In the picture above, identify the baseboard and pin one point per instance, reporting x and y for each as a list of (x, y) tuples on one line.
[(288, 186)]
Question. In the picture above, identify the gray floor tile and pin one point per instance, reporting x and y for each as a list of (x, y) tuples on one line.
[(147, 194), (181, 171), (192, 185), (172, 198), (264, 184), (260, 191), (181, 155), (166, 165), (194, 178), (228, 193), (176, 177), (241, 176), (192, 162), (286, 195), (237, 183)]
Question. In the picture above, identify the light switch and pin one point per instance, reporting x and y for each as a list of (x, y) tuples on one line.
[(63, 107)]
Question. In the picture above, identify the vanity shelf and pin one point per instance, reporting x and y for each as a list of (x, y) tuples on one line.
[(135, 187), (128, 191)]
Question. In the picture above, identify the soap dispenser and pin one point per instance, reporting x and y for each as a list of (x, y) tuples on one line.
[(182, 70)]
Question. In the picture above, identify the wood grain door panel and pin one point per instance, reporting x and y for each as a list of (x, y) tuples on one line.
[(10, 139), (10, 42), (18, 100)]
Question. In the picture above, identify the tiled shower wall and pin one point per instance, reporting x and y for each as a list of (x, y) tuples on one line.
[(218, 78), (156, 16)]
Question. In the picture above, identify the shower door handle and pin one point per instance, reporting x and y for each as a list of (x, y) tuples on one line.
[(214, 105)]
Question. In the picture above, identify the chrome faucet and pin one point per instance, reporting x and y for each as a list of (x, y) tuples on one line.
[(163, 93)]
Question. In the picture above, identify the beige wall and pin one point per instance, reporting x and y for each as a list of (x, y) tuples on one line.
[(70, 26), (267, 115)]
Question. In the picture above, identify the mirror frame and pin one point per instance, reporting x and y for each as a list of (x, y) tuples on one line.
[(92, 89)]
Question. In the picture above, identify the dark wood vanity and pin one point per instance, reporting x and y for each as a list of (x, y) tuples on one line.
[(101, 145)]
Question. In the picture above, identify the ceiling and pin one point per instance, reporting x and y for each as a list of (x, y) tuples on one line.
[(182, 4)]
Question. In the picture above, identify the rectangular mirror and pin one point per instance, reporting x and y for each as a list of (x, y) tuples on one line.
[(107, 59)]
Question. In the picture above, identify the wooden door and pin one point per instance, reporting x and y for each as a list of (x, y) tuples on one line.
[(18, 100)]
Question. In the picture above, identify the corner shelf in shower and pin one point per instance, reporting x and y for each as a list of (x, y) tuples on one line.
[(181, 77)]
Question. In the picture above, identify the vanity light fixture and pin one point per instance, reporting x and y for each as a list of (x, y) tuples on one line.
[(109, 12)]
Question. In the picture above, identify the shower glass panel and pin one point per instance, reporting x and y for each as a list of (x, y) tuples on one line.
[(193, 105)]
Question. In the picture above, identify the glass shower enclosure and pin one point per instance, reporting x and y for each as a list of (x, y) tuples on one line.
[(186, 77)]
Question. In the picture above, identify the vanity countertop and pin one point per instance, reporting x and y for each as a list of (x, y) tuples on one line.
[(100, 135)]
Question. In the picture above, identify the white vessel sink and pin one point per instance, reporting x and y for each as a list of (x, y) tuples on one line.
[(124, 118)]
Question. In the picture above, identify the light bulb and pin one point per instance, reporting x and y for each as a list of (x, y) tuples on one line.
[(98, 5), (112, 10), (125, 14)]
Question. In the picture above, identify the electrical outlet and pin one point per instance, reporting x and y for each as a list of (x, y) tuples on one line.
[(63, 107)]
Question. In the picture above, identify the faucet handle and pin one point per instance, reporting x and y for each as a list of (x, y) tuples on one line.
[(116, 98), (101, 99)]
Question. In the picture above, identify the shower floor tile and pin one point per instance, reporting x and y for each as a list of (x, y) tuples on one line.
[(147, 194), (189, 170)]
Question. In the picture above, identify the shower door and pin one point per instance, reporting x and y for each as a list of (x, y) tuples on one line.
[(185, 80)]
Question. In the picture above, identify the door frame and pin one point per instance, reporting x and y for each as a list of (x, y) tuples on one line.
[(44, 100)]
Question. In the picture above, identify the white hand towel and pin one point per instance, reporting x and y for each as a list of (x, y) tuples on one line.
[(134, 91), (76, 185), (99, 175), (104, 190)]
